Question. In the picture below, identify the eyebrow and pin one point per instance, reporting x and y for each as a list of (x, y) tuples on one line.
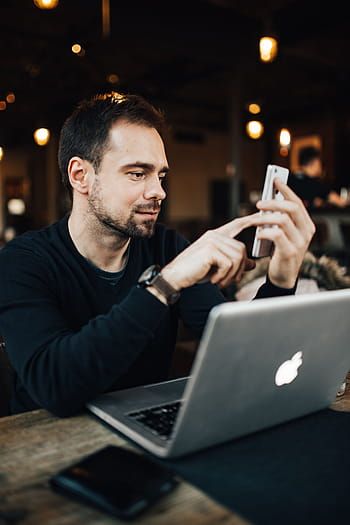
[(146, 166)]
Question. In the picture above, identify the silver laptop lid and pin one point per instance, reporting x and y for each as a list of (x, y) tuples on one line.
[(262, 363)]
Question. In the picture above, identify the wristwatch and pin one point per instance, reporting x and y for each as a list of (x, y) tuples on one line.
[(152, 277)]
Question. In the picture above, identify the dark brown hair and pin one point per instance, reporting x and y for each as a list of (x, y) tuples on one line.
[(85, 133)]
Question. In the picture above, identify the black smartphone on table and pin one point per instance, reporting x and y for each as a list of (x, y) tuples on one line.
[(116, 480)]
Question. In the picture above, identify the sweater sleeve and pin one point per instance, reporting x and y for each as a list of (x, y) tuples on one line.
[(268, 289), (63, 369), (197, 301)]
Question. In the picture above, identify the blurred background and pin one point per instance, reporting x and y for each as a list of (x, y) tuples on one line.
[(232, 110)]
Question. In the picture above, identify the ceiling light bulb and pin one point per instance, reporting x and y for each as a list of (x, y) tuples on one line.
[(268, 48), (41, 136), (76, 48), (113, 78), (254, 108), (46, 4), (10, 98), (254, 129), (1, 153), (16, 206), (284, 137)]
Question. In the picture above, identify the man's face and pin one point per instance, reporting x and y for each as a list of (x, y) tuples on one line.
[(314, 168), (125, 195)]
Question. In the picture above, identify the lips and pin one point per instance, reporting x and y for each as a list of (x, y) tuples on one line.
[(148, 214), (149, 211)]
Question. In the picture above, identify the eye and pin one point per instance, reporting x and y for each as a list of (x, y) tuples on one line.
[(136, 175)]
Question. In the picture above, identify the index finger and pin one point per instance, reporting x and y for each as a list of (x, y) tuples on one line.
[(288, 195), (286, 191), (234, 227)]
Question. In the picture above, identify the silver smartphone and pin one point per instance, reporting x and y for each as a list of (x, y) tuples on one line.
[(263, 247)]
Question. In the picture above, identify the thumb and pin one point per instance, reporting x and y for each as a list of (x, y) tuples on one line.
[(249, 265)]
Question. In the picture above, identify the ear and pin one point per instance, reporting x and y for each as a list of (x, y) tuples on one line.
[(79, 172)]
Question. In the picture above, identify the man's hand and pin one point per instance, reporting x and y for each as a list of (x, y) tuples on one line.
[(292, 238), (222, 259), (215, 256)]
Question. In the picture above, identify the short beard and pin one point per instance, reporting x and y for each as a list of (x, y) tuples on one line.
[(127, 229), (115, 226)]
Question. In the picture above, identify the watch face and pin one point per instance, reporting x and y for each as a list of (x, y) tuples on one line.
[(149, 273), (152, 277)]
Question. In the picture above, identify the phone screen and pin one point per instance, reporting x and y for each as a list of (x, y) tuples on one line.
[(116, 480)]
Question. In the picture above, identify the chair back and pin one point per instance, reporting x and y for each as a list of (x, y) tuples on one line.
[(6, 380)]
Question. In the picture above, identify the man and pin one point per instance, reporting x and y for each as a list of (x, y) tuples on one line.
[(75, 320), (308, 184)]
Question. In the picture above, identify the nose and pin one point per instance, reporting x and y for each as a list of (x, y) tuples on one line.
[(154, 189)]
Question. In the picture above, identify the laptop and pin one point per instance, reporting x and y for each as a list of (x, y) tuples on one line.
[(258, 364)]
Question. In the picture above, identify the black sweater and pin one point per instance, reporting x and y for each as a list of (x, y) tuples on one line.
[(71, 335)]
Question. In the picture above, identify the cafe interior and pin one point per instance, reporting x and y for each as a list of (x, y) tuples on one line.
[(230, 110), (242, 85)]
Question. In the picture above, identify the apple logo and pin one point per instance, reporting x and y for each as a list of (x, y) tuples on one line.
[(288, 371)]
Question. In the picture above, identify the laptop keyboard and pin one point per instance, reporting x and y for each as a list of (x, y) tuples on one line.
[(160, 419)]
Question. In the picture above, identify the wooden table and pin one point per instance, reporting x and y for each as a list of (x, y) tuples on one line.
[(35, 445)]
